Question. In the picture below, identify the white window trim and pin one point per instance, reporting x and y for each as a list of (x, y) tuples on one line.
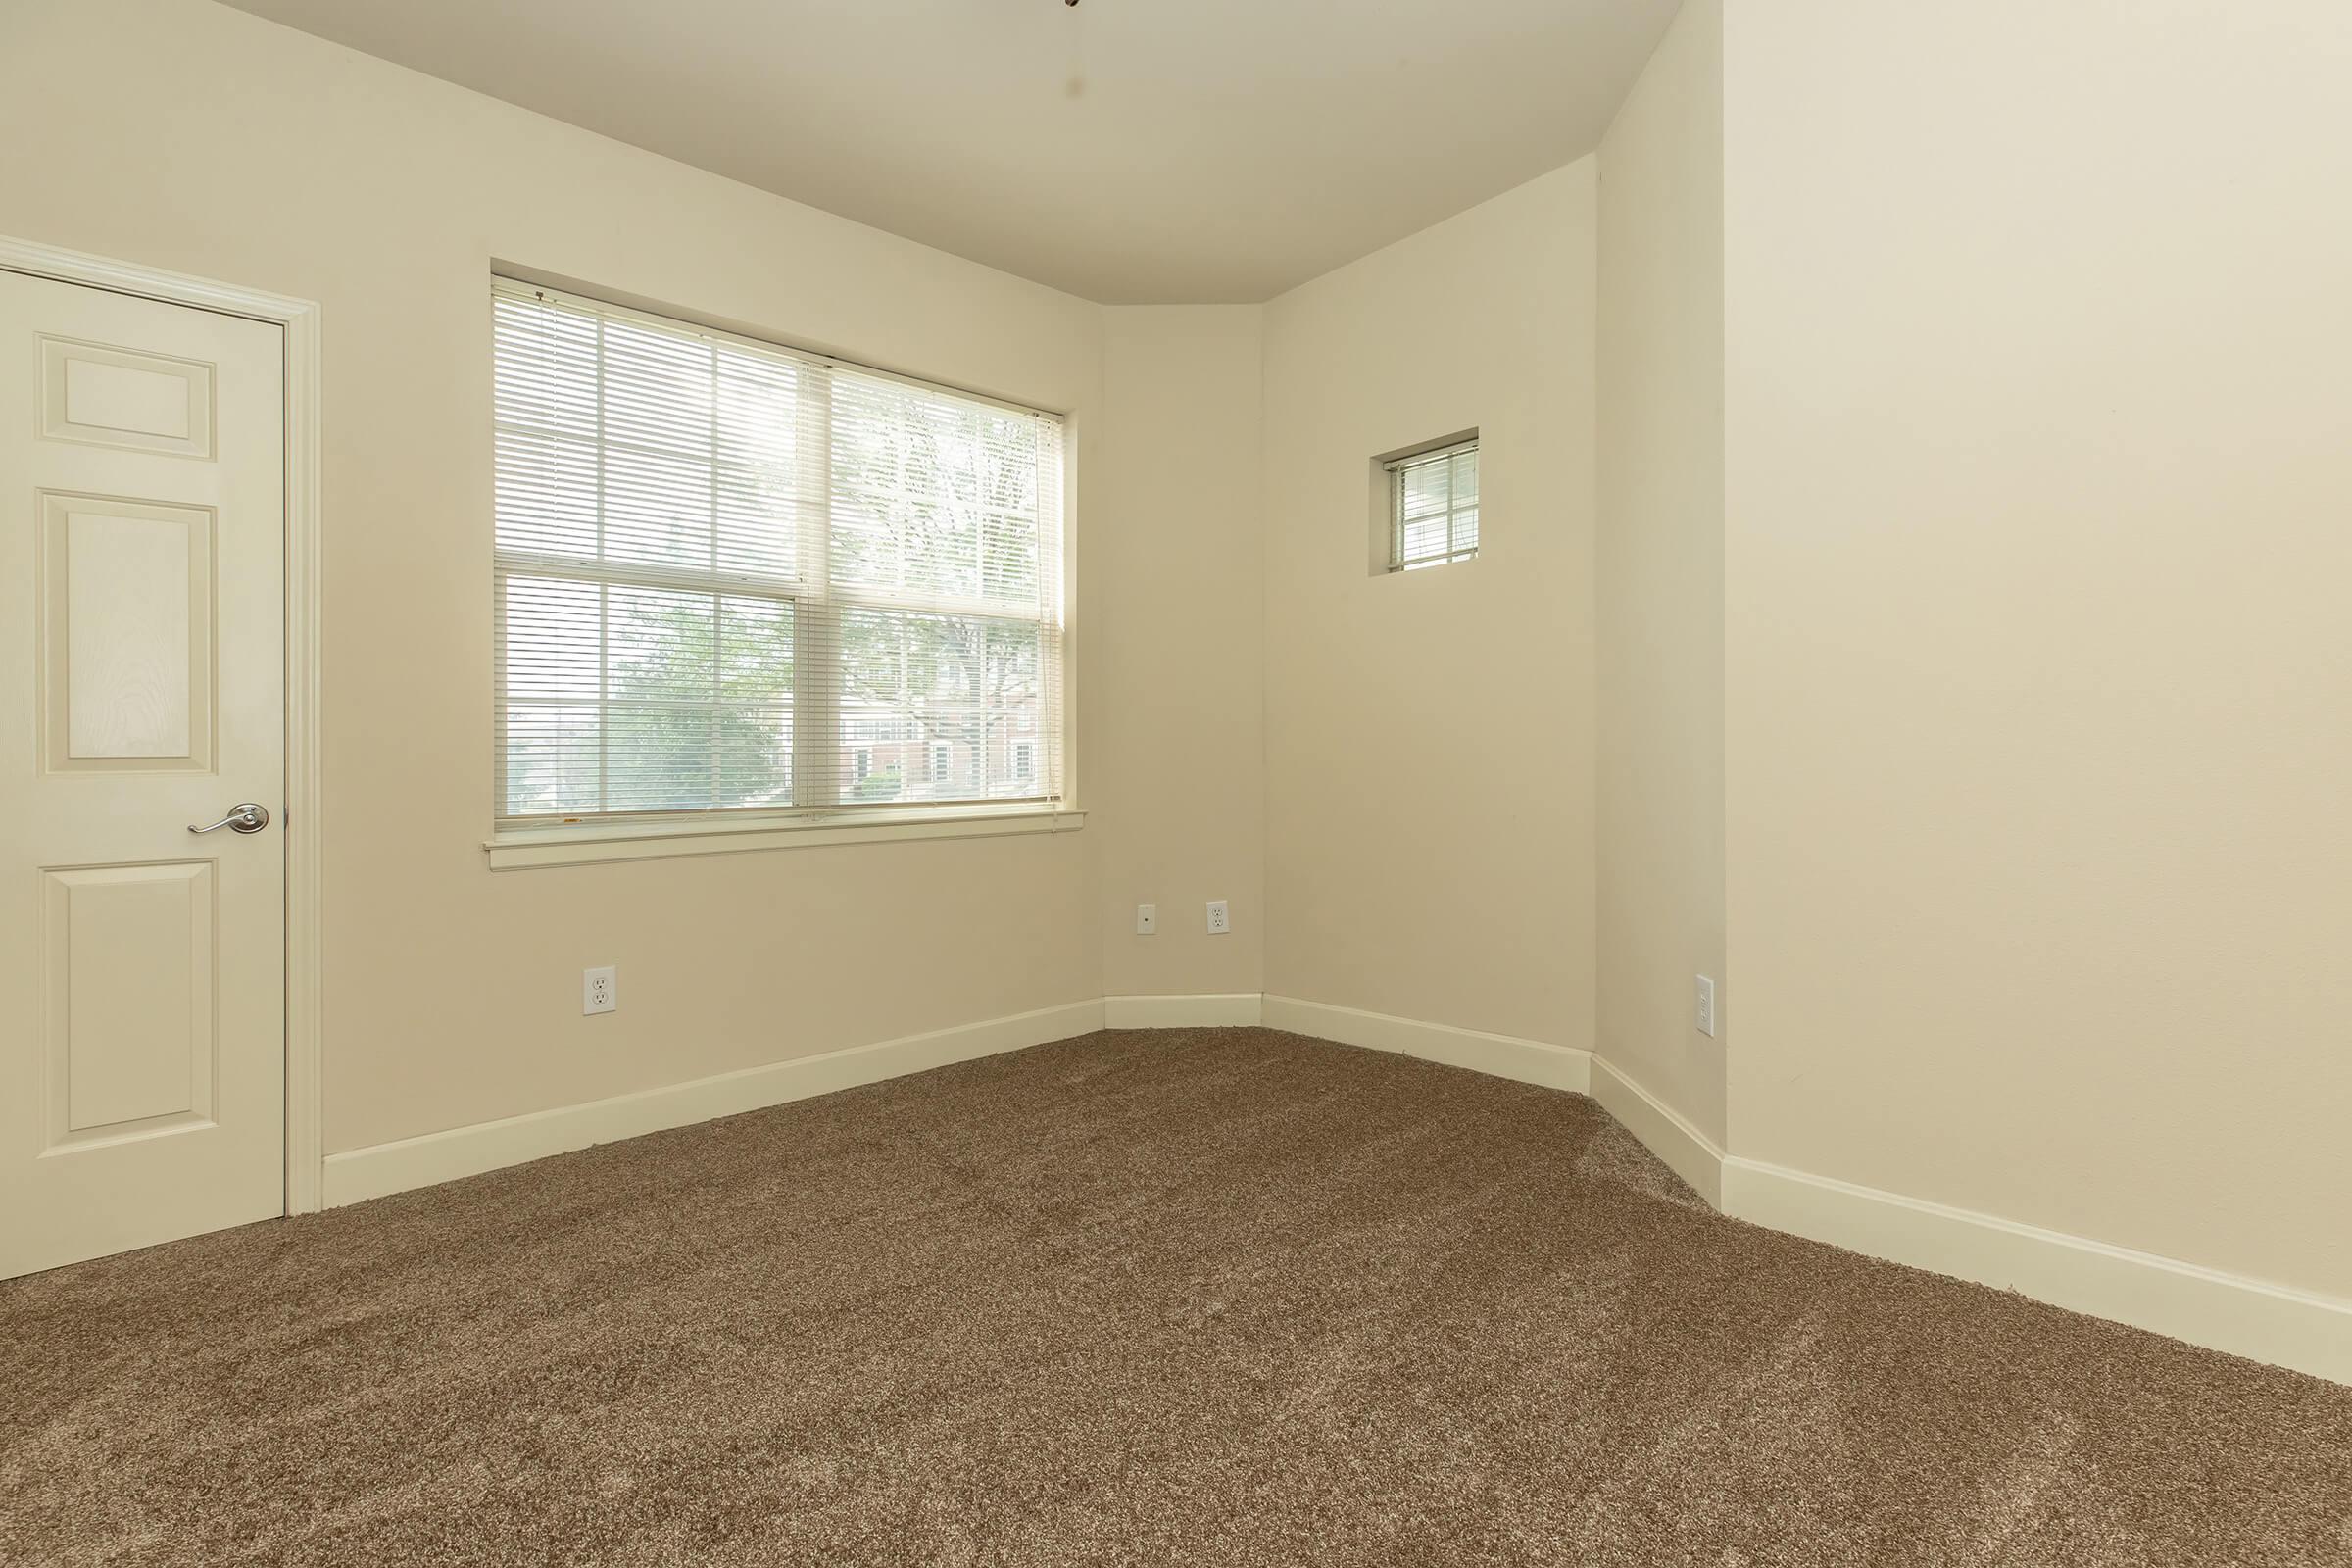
[(665, 839)]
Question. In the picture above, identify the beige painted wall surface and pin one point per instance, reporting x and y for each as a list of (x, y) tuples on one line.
[(198, 139), (2040, 677), (1179, 782), (1658, 563), (1429, 764)]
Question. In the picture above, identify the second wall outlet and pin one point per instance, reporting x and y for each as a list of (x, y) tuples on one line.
[(1219, 922), (1702, 1006), (1146, 919), (599, 990)]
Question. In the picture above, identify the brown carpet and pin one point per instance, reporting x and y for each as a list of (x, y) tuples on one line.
[(1209, 1297)]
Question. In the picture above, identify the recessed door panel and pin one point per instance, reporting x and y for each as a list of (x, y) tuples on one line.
[(129, 1003), (130, 662), (105, 395)]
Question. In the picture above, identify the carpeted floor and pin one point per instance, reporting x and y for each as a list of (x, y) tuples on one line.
[(1200, 1297)]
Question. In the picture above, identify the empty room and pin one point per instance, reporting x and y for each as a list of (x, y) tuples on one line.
[(1164, 782)]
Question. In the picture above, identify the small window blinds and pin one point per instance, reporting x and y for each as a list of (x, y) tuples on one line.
[(732, 578), (1433, 506)]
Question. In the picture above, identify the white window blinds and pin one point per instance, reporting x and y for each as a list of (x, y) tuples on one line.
[(731, 577), (1433, 506)]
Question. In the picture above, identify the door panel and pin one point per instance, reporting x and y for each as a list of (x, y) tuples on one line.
[(127, 634), (128, 1003), (117, 397), (142, 967)]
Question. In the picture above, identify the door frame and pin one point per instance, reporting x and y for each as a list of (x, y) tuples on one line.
[(305, 1130)]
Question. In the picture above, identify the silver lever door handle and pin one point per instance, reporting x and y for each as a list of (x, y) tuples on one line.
[(248, 816)]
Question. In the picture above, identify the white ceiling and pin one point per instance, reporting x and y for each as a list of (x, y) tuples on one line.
[(1125, 150)]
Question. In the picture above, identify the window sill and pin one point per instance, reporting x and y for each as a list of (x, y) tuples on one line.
[(591, 844)]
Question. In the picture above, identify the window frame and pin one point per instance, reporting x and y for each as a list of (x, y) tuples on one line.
[(1390, 504), (819, 813)]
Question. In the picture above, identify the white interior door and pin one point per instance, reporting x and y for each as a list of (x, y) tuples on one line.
[(142, 967)]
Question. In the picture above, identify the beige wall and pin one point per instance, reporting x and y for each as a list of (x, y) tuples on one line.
[(1177, 745), (1429, 765), (1659, 562), (2040, 689), (198, 139)]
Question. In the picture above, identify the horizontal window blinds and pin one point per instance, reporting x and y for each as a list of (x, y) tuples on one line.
[(1432, 499), (731, 577)]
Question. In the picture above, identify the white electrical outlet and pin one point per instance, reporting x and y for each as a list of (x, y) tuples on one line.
[(1146, 919), (599, 990), (1703, 1013), (1219, 922)]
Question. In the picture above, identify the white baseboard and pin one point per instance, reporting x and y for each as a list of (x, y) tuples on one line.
[(1684, 1149), (364, 1173), (1529, 1061), (2248, 1317), (1181, 1012), (2229, 1312), (2222, 1311)]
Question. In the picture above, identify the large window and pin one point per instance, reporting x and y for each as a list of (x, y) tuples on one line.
[(735, 578)]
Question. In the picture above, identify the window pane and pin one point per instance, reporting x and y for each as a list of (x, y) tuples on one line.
[(658, 510), (932, 705), (1428, 489), (552, 756), (695, 688), (933, 498), (546, 494), (658, 390), (1425, 537), (551, 639), (545, 367), (759, 411), (761, 447), (637, 443)]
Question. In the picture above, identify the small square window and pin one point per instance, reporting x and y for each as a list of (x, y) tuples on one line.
[(1432, 506)]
